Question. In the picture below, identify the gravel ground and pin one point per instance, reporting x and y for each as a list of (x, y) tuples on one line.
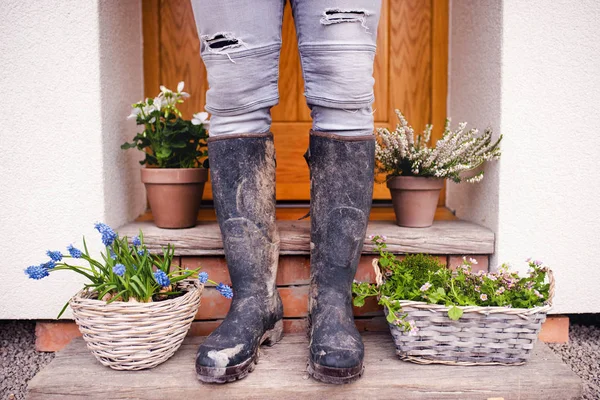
[(19, 361), (582, 353)]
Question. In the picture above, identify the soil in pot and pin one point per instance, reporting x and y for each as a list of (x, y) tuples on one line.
[(175, 195), (415, 199)]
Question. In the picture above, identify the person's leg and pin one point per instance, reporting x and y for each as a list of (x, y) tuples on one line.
[(337, 42), (240, 48)]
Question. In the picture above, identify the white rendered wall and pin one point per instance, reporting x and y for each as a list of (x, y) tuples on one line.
[(69, 71), (542, 91)]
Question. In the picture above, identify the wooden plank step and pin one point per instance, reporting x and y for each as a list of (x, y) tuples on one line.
[(443, 237), (281, 374)]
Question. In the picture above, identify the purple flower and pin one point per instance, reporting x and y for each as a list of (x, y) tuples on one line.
[(54, 255), (161, 278), (202, 277), (225, 290), (108, 234), (119, 269), (425, 287), (36, 272), (136, 241), (75, 253)]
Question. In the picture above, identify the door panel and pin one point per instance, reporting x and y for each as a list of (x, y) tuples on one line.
[(410, 74)]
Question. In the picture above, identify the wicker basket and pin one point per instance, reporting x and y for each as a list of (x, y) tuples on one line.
[(482, 336), (134, 336)]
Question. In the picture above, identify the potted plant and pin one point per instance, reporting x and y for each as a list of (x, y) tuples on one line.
[(175, 158), (137, 307), (415, 172), (437, 315)]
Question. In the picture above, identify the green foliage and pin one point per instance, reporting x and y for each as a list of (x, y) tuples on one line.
[(168, 140), (423, 278), (138, 281)]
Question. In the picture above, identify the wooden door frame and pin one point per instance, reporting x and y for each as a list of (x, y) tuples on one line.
[(439, 59)]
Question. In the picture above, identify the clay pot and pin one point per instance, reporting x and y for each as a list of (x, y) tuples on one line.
[(174, 195), (415, 199)]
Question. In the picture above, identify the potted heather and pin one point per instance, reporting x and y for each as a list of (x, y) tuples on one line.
[(415, 173), (175, 157), (437, 315), (136, 308)]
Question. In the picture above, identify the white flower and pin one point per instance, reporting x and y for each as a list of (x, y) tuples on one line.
[(180, 93), (412, 328), (134, 113), (165, 90), (200, 118), (159, 102)]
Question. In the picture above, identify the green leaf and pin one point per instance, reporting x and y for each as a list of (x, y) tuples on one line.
[(455, 313), (384, 262), (390, 317), (359, 301)]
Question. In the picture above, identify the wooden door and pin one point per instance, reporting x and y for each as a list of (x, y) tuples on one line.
[(410, 74)]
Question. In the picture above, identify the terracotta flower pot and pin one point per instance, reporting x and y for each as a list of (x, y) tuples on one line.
[(174, 195), (415, 199)]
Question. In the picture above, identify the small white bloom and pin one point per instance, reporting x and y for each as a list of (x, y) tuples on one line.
[(425, 287), (180, 86), (134, 113), (200, 118), (473, 261)]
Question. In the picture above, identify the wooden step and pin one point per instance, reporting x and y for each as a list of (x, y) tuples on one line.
[(443, 237), (281, 374)]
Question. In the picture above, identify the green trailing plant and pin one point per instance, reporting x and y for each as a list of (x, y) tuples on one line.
[(125, 271), (169, 140), (400, 153), (423, 278)]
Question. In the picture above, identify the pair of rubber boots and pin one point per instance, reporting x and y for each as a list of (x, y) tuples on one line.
[(242, 171)]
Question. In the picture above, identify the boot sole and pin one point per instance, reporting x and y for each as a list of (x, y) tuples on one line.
[(240, 371), (336, 376)]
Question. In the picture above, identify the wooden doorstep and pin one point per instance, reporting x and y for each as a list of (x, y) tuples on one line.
[(281, 374), (443, 237)]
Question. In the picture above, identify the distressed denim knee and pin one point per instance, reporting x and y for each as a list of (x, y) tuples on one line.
[(337, 48), (243, 87)]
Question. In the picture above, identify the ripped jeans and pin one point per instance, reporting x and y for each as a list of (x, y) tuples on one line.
[(240, 46)]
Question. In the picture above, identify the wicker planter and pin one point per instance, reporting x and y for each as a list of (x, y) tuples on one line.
[(134, 336), (482, 336)]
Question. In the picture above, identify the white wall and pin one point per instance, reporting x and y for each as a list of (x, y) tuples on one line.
[(543, 195), (69, 72)]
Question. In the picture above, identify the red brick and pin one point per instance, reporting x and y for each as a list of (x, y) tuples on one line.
[(215, 306), (205, 328), (555, 329), (54, 336), (215, 267), (482, 262), (293, 270), (375, 324), (369, 309)]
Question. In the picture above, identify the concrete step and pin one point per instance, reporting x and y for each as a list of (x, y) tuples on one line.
[(281, 373)]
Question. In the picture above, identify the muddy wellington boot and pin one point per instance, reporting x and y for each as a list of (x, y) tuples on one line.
[(242, 171), (341, 186)]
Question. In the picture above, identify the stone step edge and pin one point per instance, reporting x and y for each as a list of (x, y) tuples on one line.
[(443, 237)]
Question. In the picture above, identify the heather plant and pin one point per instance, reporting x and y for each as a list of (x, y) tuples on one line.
[(127, 271), (423, 278), (168, 140), (400, 153)]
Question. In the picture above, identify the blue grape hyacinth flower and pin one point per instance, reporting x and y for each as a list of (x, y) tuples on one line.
[(203, 277), (136, 241), (161, 278), (119, 269), (48, 265), (225, 290), (74, 252), (36, 272), (108, 234), (54, 255)]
